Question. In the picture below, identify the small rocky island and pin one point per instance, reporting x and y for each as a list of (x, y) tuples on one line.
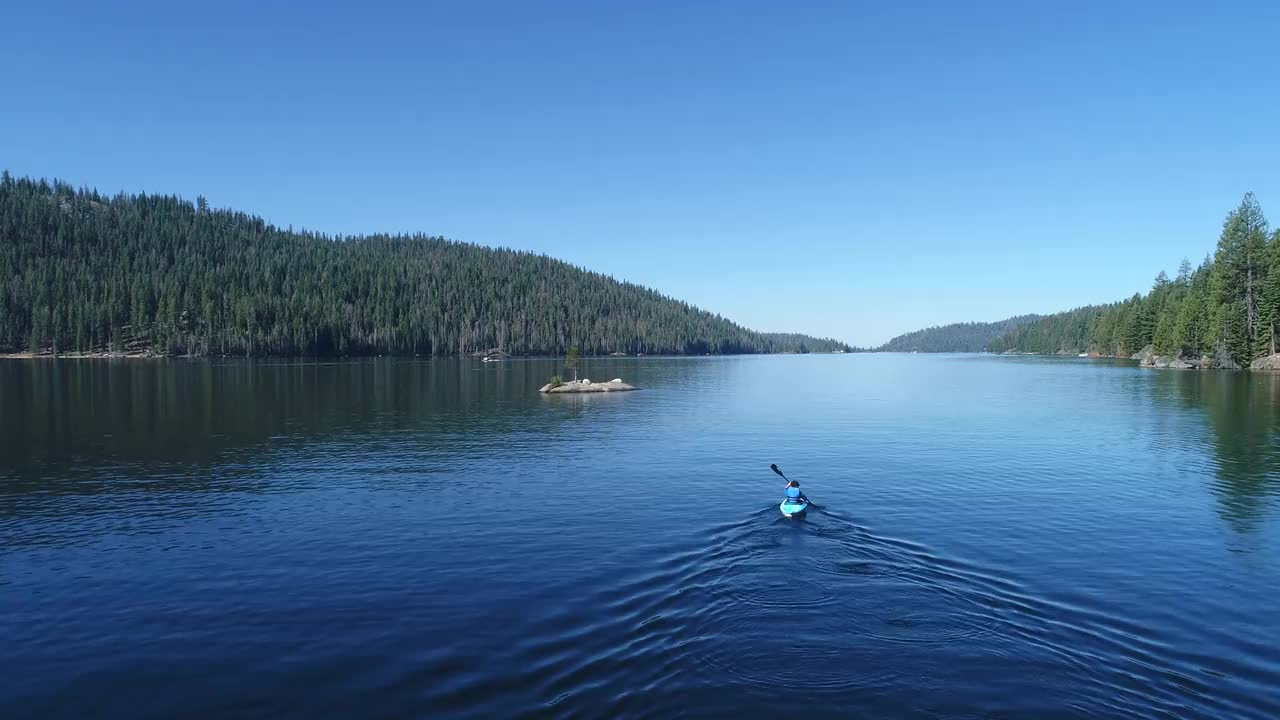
[(586, 386)]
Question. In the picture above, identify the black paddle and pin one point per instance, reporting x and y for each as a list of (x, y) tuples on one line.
[(784, 477)]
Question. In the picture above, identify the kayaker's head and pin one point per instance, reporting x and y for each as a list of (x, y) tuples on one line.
[(793, 483)]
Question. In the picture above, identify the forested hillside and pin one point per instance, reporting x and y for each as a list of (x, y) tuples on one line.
[(957, 337), (1226, 311), (84, 272)]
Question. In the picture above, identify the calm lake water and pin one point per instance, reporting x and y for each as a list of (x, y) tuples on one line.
[(996, 538)]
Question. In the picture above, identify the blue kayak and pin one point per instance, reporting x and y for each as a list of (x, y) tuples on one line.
[(792, 507)]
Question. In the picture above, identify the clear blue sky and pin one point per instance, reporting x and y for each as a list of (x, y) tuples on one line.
[(845, 169)]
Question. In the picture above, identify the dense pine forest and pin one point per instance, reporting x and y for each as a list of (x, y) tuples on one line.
[(957, 337), (1224, 313), (88, 273)]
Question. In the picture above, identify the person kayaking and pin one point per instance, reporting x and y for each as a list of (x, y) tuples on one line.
[(793, 492), (795, 503)]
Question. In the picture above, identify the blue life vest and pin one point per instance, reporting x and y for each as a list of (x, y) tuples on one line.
[(793, 494)]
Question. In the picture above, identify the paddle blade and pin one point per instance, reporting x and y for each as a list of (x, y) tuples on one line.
[(775, 469)]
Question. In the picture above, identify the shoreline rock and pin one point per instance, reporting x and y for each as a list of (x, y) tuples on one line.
[(1269, 362), (1174, 362), (1220, 359), (491, 355)]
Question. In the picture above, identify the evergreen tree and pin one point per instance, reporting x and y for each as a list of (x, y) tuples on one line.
[(1239, 276), (1184, 272)]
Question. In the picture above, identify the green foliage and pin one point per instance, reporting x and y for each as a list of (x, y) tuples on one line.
[(556, 381), (958, 337), (1165, 339), (1165, 303), (1231, 301), (1190, 328), (1235, 333), (80, 271), (1140, 326)]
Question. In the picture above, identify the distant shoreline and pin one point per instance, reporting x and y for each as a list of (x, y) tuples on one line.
[(130, 354)]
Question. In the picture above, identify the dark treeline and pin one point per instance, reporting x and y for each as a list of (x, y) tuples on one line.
[(957, 337), (1226, 311), (83, 272)]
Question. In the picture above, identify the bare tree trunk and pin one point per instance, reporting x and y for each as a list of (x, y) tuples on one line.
[(1251, 329)]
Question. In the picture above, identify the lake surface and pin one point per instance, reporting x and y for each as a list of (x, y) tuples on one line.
[(997, 538)]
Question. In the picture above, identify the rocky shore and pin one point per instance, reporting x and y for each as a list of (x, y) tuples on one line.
[(1217, 361), (1147, 357), (1270, 362)]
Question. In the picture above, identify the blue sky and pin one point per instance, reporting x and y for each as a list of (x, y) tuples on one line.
[(846, 169)]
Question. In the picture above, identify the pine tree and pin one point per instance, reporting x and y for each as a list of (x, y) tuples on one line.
[(1239, 276), (572, 359), (1184, 272)]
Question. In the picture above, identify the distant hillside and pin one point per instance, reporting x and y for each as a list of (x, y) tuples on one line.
[(794, 342), (83, 272), (957, 337)]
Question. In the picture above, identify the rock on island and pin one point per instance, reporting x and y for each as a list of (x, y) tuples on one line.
[(586, 386)]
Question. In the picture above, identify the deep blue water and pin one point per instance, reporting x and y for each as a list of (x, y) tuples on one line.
[(997, 538)]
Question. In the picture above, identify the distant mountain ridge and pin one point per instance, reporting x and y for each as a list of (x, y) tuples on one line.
[(956, 337)]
